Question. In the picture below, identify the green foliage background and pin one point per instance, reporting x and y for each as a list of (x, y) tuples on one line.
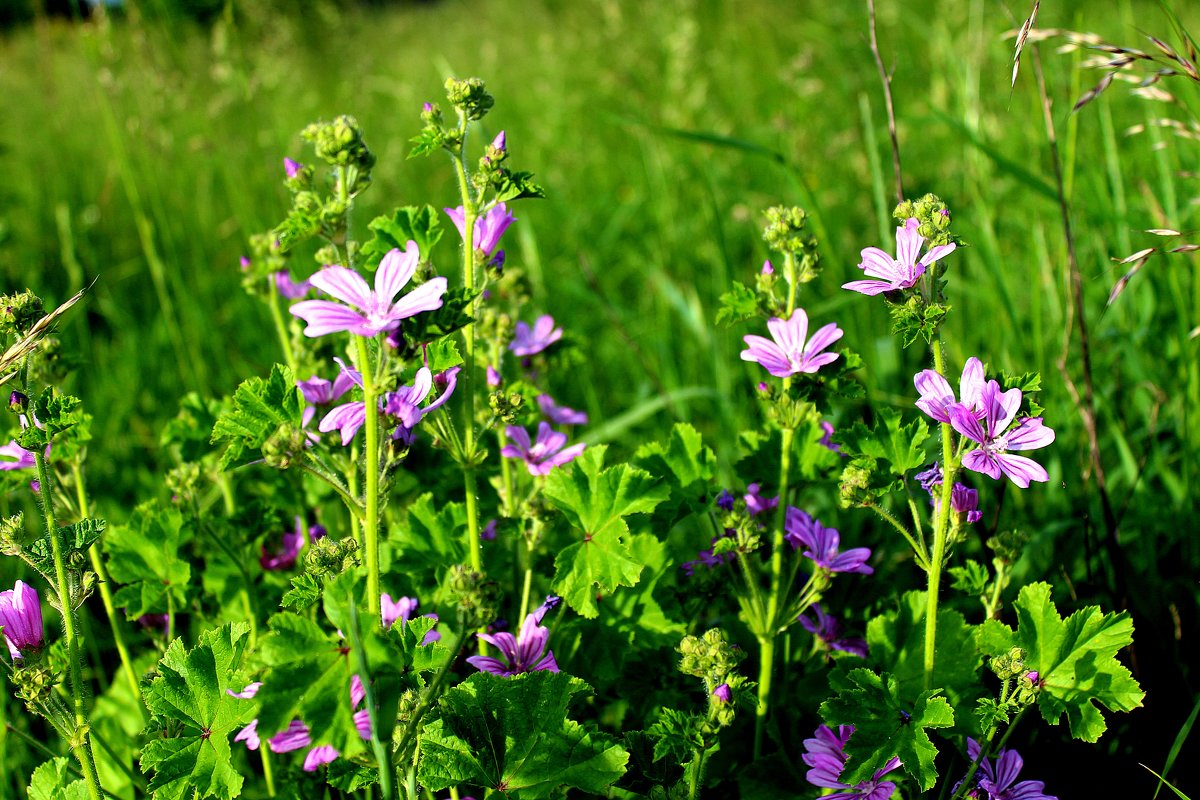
[(142, 154)]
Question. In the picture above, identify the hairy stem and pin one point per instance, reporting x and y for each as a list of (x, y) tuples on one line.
[(364, 677), (371, 459), (941, 528)]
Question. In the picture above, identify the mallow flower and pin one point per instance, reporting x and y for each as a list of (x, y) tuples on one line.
[(829, 631), (995, 440), (488, 228), (937, 396), (24, 459), (525, 652), (902, 272), (792, 352), (403, 609), (560, 415), (803, 530), (543, 455), (367, 312), (999, 781), (21, 616), (531, 341), (825, 754)]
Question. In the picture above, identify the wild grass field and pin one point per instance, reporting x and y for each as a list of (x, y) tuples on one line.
[(140, 153)]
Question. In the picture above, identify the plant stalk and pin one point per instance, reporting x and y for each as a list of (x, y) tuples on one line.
[(371, 458)]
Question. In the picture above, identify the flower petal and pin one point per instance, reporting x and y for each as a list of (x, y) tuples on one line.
[(825, 336), (870, 287), (1021, 470), (426, 297), (344, 284), (395, 271), (325, 317), (908, 243), (878, 264), (763, 351)]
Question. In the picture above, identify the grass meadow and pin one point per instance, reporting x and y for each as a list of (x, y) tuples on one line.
[(141, 152)]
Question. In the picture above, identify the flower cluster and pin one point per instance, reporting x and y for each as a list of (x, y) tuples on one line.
[(825, 754)]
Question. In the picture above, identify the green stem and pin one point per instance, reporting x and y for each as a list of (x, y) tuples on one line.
[(429, 697), (264, 754), (364, 677), (285, 339), (48, 753), (527, 586), (356, 510), (940, 530), (918, 547), (83, 751), (110, 610), (371, 427), (766, 646)]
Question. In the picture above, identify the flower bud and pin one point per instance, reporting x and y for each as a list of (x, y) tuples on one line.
[(18, 402), (469, 96), (1009, 665), (19, 312), (722, 694), (21, 616)]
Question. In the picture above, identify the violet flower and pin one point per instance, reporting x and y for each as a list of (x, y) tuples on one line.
[(290, 289), (999, 782), (404, 404), (725, 500), (403, 609), (21, 616), (992, 458), (964, 500), (285, 557), (543, 455), (901, 272), (707, 559), (488, 532), (937, 396), (493, 377), (827, 439), (524, 653), (756, 503), (560, 415), (294, 737), (801, 529), (827, 629), (488, 228), (722, 694), (24, 458), (825, 754), (531, 341), (367, 312), (292, 168), (792, 352)]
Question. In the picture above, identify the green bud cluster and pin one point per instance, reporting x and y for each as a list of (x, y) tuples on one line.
[(183, 482), (281, 448), (1009, 665), (506, 406), (792, 413), (1008, 545), (469, 96), (855, 488), (328, 557), (475, 596), (1026, 691), (19, 312), (787, 232), (711, 657), (11, 532), (932, 214), (34, 681), (340, 144)]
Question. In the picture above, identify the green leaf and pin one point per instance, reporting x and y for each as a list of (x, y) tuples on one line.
[(419, 224), (689, 468), (432, 535), (1075, 659), (971, 578), (901, 446), (896, 644), (53, 780), (597, 501), (427, 141), (513, 735), (452, 315), (260, 408), (306, 590), (144, 555), (740, 303), (190, 690), (55, 414), (443, 354), (677, 734), (516, 186), (77, 537), (886, 726)]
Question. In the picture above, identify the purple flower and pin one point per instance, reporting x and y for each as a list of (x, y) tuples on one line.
[(964, 500), (24, 458), (930, 477), (292, 738), (500, 142), (999, 782), (528, 342), (937, 396), (827, 628), (285, 557), (319, 756), (822, 543), (827, 440), (367, 312), (767, 268), (245, 694), (493, 377), (545, 454), (21, 616), (158, 622), (290, 289), (725, 500), (825, 754), (523, 653), (560, 415), (707, 559), (756, 503), (722, 694), (244, 263), (403, 610), (488, 228), (901, 272), (992, 458), (249, 735), (791, 351), (292, 167), (488, 533), (403, 404)]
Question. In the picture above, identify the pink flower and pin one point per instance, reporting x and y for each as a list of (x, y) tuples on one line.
[(901, 272), (367, 312), (937, 396), (994, 439), (21, 616), (792, 352), (542, 456), (528, 342), (488, 228)]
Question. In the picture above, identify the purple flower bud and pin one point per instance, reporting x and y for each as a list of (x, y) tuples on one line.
[(493, 377), (725, 500), (316, 532), (292, 167), (1033, 677), (21, 616), (427, 107), (762, 387), (245, 263), (36, 486), (767, 268), (18, 401), (489, 531), (722, 694), (158, 622), (500, 142)]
